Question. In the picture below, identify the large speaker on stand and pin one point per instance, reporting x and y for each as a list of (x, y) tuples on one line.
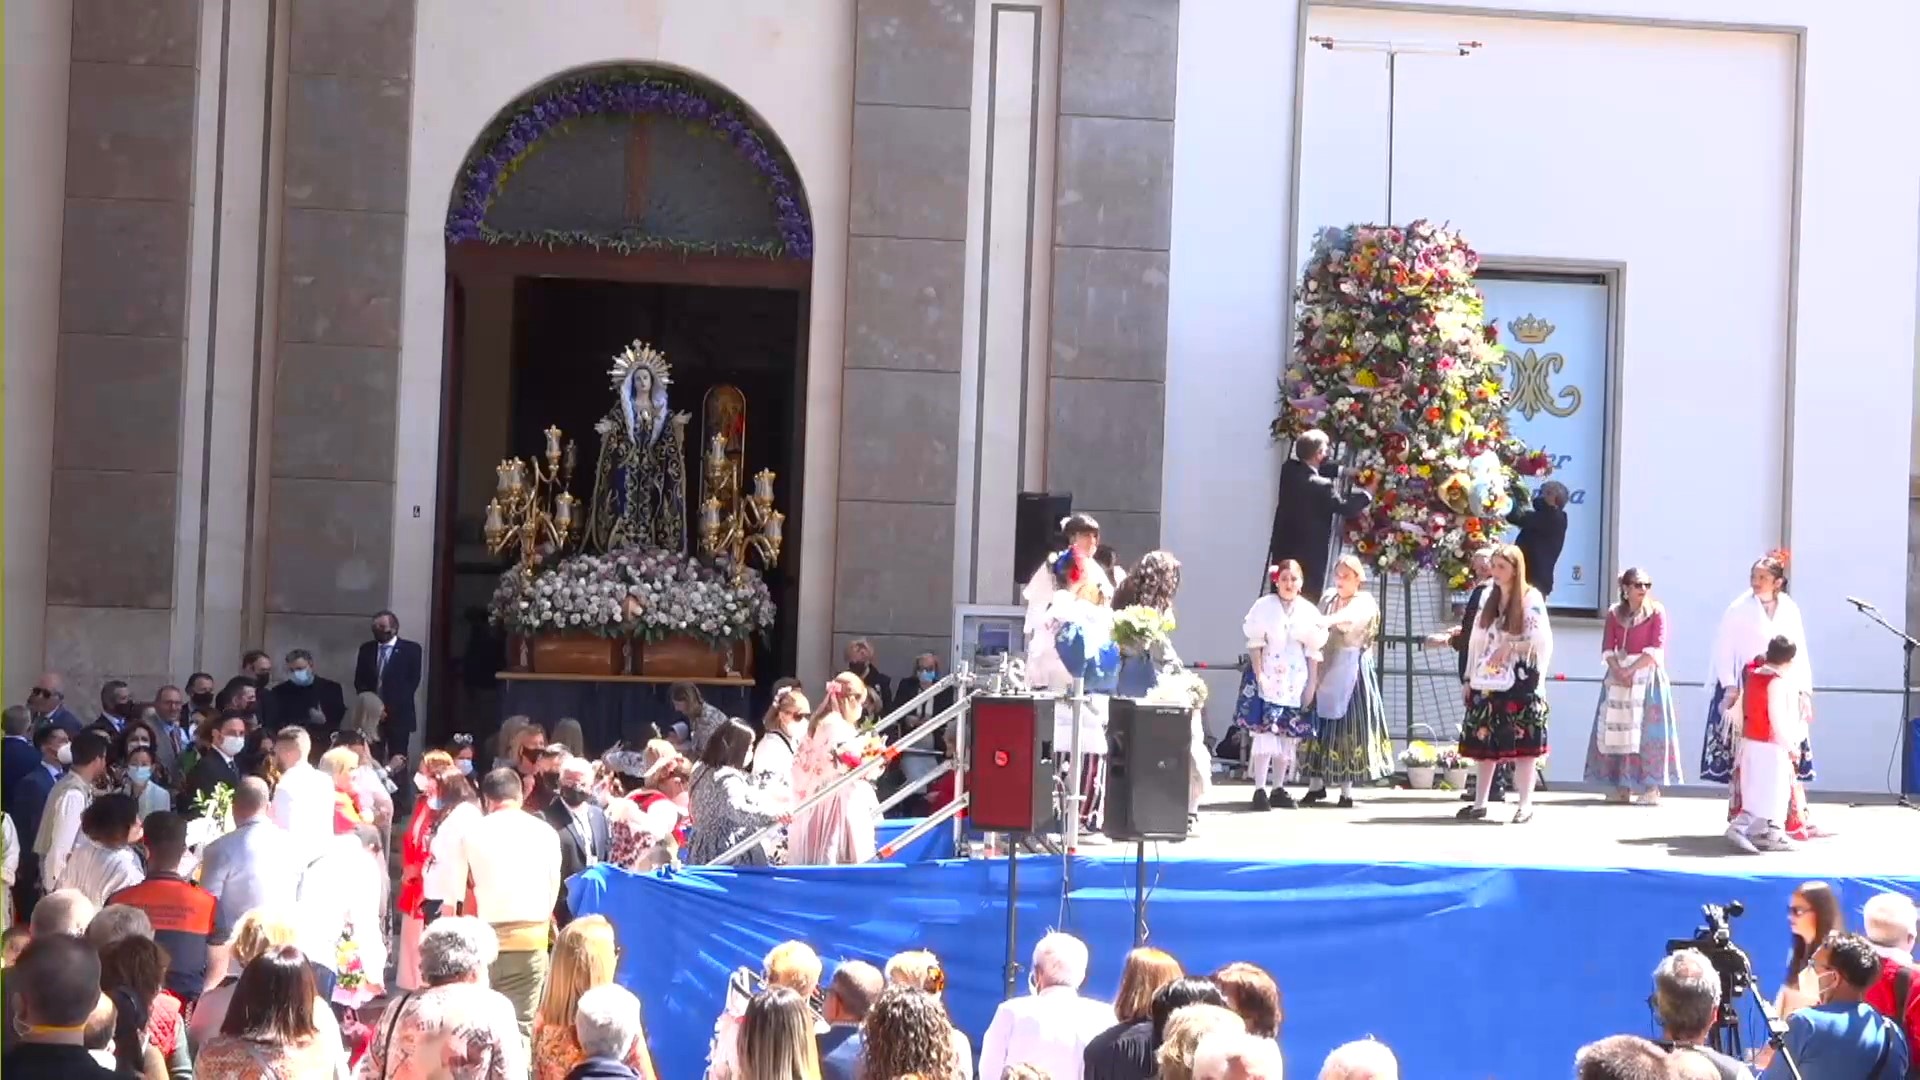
[(1149, 748), (1009, 772), (1036, 531)]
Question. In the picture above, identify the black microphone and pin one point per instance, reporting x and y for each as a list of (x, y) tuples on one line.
[(1861, 604)]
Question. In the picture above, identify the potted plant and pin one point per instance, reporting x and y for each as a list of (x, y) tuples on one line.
[(1453, 769), (1419, 759)]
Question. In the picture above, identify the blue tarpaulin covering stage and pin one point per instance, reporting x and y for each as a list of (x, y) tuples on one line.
[(1464, 971)]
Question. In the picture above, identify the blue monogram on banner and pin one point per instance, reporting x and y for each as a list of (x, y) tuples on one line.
[(1555, 330)]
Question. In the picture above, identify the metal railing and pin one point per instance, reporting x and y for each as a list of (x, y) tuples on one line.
[(958, 681)]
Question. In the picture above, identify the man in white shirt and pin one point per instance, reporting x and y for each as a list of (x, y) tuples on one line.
[(514, 858), (71, 795), (1049, 1028), (251, 867), (336, 891), (303, 799)]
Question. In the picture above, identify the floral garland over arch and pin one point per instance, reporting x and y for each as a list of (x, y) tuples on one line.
[(1394, 359), (623, 94)]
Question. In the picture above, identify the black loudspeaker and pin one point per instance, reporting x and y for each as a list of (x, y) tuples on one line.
[(1009, 772), (1036, 531), (1148, 750)]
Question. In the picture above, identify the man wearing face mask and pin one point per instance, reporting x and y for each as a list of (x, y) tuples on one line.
[(1842, 1035), (116, 708), (305, 698), (27, 802), (545, 786), (218, 767), (390, 666), (584, 835), (200, 690), (86, 762), (916, 762), (256, 667)]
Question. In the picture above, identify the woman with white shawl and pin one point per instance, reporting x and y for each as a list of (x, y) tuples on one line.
[(1284, 634), (1752, 620)]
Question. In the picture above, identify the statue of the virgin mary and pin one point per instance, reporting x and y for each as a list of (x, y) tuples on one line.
[(640, 485)]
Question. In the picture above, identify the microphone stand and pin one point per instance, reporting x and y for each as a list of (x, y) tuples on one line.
[(1907, 647)]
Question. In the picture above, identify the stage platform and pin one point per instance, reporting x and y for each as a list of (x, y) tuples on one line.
[(1474, 949)]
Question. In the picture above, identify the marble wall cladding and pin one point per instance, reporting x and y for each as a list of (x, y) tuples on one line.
[(904, 302), (149, 32), (1109, 314), (1104, 442), (117, 404), (334, 641), (363, 37), (112, 539), (1130, 533), (123, 131), (354, 128), (123, 268), (340, 278), (904, 434), (894, 568), (1114, 187), (329, 546), (910, 172), (1118, 58), (914, 52), (89, 645), (334, 412)]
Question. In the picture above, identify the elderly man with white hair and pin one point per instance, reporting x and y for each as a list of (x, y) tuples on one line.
[(1049, 1028), (1890, 920), (607, 1023), (1364, 1059), (458, 1025), (586, 838), (1229, 1056)]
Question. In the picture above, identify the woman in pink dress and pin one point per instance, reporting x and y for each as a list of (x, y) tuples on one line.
[(840, 829)]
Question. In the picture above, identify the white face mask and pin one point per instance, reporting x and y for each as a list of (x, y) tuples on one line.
[(233, 744), (420, 782), (64, 755)]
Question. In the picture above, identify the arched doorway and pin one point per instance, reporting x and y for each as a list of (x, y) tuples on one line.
[(605, 206)]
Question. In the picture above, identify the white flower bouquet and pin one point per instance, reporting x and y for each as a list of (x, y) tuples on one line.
[(635, 592)]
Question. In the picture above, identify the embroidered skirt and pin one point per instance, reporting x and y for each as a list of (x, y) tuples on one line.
[(1354, 748), (1504, 726), (1716, 753), (1262, 717), (1657, 763)]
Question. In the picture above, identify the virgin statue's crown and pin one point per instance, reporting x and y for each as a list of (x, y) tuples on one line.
[(637, 356)]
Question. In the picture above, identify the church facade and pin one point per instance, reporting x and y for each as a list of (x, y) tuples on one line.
[(256, 368)]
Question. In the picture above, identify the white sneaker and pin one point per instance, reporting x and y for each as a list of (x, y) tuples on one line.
[(1774, 840), (1739, 839)]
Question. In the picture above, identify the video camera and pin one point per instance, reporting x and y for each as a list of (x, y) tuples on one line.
[(1715, 941)]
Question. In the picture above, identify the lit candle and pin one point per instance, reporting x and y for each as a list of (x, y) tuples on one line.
[(563, 509), (553, 444), (504, 472), (763, 485), (717, 448), (519, 474), (494, 523), (773, 525)]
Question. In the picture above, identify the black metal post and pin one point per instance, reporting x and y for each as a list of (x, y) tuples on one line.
[(1013, 918), (1139, 893)]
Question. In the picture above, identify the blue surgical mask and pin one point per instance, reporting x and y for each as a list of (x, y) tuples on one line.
[(303, 677), (465, 765), (925, 675), (139, 774), (433, 802)]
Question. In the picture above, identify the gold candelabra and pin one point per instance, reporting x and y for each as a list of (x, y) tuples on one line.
[(519, 513), (733, 523)]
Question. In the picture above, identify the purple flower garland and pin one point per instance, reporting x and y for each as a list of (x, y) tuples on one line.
[(620, 96)]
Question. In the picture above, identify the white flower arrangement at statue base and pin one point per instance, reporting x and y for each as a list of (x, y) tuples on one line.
[(634, 592)]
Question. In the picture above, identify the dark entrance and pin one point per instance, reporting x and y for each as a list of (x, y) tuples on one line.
[(606, 207)]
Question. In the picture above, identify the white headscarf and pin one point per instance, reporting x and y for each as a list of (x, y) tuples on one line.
[(1744, 632)]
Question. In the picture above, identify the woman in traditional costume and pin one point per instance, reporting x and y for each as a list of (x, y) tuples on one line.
[(1506, 712), (842, 828), (1350, 744), (1284, 634), (1752, 620), (1635, 747), (1152, 583)]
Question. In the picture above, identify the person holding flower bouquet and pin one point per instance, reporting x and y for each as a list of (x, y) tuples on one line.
[(840, 829), (1350, 743), (1284, 634)]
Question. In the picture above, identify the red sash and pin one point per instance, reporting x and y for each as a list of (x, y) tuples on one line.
[(1756, 722)]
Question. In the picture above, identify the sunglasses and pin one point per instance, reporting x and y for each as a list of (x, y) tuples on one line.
[(1639, 584), (1797, 910)]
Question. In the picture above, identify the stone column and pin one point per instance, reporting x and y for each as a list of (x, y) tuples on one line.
[(124, 288), (1112, 227), (913, 63), (329, 518)]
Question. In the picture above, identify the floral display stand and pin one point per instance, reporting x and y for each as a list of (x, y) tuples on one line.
[(682, 656)]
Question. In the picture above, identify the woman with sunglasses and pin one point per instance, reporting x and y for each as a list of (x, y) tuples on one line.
[(1635, 747)]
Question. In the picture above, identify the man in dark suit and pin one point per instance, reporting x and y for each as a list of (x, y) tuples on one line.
[(584, 839), (20, 756), (856, 986), (27, 804), (48, 701), (1308, 506), (220, 765), (390, 666), (922, 758), (1543, 533), (315, 703)]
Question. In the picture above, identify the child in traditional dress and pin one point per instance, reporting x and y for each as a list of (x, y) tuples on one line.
[(1773, 723), (1284, 633)]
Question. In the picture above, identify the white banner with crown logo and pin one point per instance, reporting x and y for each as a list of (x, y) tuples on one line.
[(1555, 331)]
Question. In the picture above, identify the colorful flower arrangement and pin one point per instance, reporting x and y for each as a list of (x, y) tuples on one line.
[(351, 971), (1419, 755), (1139, 628), (635, 592), (854, 752), (624, 94), (1394, 359)]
